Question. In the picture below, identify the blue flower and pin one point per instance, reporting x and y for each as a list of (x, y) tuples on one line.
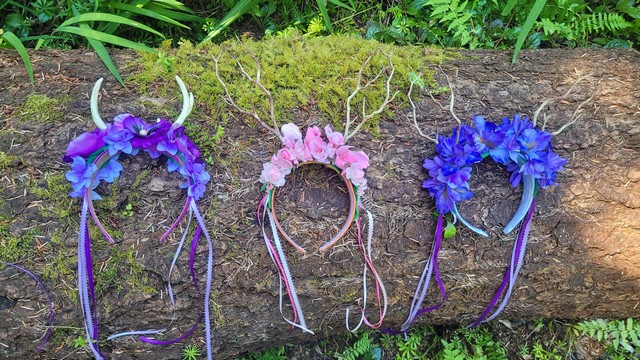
[(118, 140), (110, 171), (80, 176), (199, 178)]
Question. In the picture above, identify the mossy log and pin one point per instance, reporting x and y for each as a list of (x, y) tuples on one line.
[(583, 260)]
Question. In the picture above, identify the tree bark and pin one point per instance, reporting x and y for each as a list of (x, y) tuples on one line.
[(583, 259)]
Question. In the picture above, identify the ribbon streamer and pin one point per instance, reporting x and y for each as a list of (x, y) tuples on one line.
[(47, 334), (517, 257), (431, 268), (279, 259), (381, 292)]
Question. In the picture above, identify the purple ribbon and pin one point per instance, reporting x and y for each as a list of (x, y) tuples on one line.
[(431, 268), (517, 257), (49, 301)]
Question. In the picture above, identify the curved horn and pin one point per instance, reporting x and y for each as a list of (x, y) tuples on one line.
[(187, 102), (94, 105)]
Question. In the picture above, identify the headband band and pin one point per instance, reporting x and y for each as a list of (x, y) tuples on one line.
[(351, 217), (350, 164), (527, 154), (94, 158)]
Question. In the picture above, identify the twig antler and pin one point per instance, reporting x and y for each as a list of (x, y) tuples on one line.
[(359, 86), (452, 100), (551, 100), (413, 111), (254, 114)]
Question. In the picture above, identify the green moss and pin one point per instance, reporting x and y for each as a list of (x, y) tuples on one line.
[(14, 248), (315, 75), (119, 269), (42, 108), (5, 160), (54, 194), (58, 266)]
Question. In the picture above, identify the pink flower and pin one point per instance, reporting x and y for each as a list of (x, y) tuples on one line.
[(288, 155), (290, 135), (312, 133), (355, 175), (302, 152), (336, 139), (361, 160), (272, 174), (319, 149), (344, 157)]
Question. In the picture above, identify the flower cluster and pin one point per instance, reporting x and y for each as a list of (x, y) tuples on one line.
[(515, 143), (314, 147), (129, 135)]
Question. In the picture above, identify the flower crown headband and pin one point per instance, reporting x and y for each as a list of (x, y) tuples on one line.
[(94, 158), (330, 151), (527, 154)]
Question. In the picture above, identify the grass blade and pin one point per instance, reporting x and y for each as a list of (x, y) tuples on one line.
[(103, 54), (241, 8), (341, 4), (109, 18), (147, 13), (528, 25), (175, 15), (104, 37), (325, 15), (13, 40), (510, 5)]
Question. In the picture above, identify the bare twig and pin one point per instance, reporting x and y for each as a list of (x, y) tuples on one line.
[(254, 114), (551, 100), (575, 117), (452, 100), (415, 117), (359, 86)]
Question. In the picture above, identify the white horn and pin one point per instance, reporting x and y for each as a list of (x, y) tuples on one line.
[(187, 102), (94, 105)]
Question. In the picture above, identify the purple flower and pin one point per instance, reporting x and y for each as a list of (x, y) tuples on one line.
[(86, 144), (167, 146), (80, 175), (118, 140)]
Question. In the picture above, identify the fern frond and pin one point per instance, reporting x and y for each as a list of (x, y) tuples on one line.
[(600, 21)]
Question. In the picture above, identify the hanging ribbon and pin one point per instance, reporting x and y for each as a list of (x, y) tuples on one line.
[(431, 268), (279, 259), (381, 293), (47, 334), (517, 257)]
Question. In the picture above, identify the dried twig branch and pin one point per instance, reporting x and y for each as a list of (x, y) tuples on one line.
[(359, 86), (254, 114), (452, 100), (551, 100), (413, 111)]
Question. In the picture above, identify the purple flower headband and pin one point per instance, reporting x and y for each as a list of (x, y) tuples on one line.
[(350, 164), (94, 158), (527, 154)]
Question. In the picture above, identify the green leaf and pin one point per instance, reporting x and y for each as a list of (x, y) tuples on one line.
[(342, 5), (109, 18), (241, 8), (147, 13), (103, 54), (449, 230), (528, 25), (507, 9), (104, 37), (627, 7), (325, 14), (13, 40), (175, 15)]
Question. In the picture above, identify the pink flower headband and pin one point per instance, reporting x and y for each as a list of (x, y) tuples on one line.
[(350, 164), (329, 150)]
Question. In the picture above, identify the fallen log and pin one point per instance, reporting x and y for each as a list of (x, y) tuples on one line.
[(583, 260)]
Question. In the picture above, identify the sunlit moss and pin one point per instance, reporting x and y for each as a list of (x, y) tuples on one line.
[(42, 108)]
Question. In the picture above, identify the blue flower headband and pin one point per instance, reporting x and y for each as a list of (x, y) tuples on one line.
[(527, 154), (94, 158)]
